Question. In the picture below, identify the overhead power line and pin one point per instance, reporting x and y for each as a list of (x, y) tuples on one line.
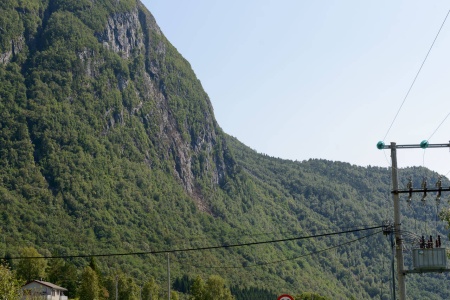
[(195, 249), (438, 127), (242, 234), (417, 75), (292, 258)]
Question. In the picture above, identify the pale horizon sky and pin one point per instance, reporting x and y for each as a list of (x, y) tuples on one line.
[(299, 79)]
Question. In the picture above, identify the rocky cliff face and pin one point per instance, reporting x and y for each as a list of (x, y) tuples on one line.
[(12, 40), (123, 33), (166, 98), (15, 47), (184, 141)]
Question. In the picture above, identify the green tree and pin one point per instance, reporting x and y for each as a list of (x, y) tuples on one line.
[(31, 268), (94, 266), (310, 296), (150, 290), (215, 289), (89, 286), (128, 290), (9, 285), (126, 287), (174, 295), (63, 274), (197, 289)]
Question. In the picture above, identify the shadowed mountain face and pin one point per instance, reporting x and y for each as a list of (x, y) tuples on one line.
[(108, 144)]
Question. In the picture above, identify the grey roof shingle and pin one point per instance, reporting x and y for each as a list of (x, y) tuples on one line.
[(50, 285)]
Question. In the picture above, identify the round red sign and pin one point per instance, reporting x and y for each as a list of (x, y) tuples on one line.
[(285, 297)]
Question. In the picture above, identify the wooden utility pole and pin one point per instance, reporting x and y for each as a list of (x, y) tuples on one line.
[(397, 225), (117, 287), (391, 233), (168, 275)]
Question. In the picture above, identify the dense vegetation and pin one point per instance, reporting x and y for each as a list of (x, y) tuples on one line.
[(108, 144)]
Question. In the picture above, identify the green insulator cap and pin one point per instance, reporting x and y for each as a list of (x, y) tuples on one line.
[(424, 144), (380, 145)]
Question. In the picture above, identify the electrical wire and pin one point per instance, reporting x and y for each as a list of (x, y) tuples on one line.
[(388, 195), (242, 234), (194, 249), (415, 78), (433, 135), (289, 259), (436, 217), (317, 231), (381, 281), (415, 219), (423, 160), (387, 160), (407, 232), (409, 237), (438, 127), (447, 173), (424, 150)]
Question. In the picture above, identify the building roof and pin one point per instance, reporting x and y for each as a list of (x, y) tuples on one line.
[(48, 284)]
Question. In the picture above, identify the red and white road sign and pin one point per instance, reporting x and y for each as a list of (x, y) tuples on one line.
[(285, 297)]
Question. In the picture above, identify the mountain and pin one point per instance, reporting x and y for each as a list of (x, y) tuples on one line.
[(108, 144)]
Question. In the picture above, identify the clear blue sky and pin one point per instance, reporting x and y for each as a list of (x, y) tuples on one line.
[(300, 79)]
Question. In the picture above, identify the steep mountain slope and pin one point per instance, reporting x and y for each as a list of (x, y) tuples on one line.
[(339, 195), (104, 130), (108, 144)]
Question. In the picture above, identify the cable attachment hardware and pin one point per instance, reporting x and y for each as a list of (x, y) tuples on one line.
[(424, 187), (388, 227), (409, 186)]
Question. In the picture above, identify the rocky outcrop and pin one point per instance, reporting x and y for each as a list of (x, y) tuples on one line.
[(17, 46), (123, 33), (184, 144), (190, 146)]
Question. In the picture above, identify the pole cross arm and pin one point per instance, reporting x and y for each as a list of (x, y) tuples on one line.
[(435, 270), (420, 190), (424, 145)]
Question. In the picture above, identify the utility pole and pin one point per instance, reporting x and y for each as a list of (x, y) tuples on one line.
[(397, 225), (168, 275), (401, 273), (388, 229), (392, 266), (117, 287)]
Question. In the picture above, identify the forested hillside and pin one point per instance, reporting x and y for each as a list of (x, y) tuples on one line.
[(108, 144)]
